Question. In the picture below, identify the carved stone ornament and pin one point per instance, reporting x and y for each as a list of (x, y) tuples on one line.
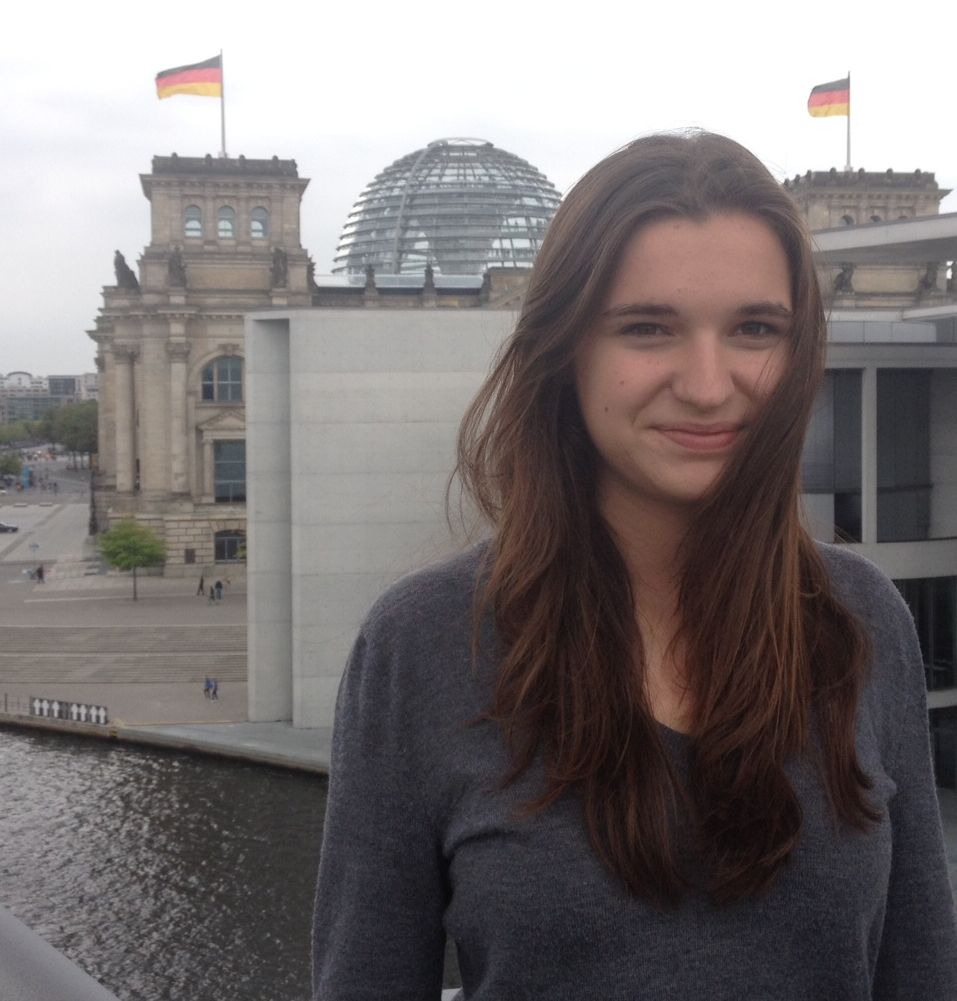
[(928, 280), (125, 353), (177, 350), (279, 273), (176, 269), (125, 278), (843, 280)]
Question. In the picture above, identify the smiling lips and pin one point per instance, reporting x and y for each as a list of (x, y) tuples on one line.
[(702, 437)]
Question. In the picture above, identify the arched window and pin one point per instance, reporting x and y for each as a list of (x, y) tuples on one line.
[(230, 544), (227, 223), (847, 220), (223, 380), (259, 223), (876, 218), (194, 221)]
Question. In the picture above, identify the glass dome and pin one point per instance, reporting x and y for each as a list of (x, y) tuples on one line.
[(461, 205)]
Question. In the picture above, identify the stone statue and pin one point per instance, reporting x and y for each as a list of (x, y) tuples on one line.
[(843, 280), (279, 275), (370, 277), (124, 273), (176, 269), (429, 285), (311, 275), (928, 280)]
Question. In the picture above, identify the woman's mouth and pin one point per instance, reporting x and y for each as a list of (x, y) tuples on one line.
[(702, 437)]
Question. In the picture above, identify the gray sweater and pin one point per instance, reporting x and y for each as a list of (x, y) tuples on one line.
[(419, 841)]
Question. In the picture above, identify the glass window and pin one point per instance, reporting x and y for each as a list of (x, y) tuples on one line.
[(943, 736), (222, 380), (831, 463), (903, 455), (933, 604), (227, 223), (229, 471), (194, 221), (259, 223), (230, 545)]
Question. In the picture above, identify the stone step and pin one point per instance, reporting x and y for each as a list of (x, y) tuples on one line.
[(122, 639)]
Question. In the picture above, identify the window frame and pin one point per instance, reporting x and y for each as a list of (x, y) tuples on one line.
[(193, 214), (226, 218), (224, 387), (260, 215), (228, 489)]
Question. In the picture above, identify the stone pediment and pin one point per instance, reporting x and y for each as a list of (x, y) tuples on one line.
[(229, 420)]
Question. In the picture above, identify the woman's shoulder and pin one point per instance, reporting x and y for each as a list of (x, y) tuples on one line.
[(441, 592), (896, 676), (860, 585)]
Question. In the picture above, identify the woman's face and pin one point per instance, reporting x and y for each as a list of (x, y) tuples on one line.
[(692, 337)]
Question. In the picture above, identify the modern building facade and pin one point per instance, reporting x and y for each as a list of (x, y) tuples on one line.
[(26, 397), (224, 240)]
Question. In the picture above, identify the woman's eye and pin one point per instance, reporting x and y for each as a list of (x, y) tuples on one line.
[(643, 329), (754, 328)]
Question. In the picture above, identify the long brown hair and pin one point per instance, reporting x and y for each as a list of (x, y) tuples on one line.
[(769, 651)]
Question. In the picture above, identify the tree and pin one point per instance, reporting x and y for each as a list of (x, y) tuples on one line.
[(73, 426), (10, 464), (129, 545), (20, 433)]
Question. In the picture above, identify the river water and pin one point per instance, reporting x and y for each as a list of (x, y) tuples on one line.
[(166, 876)]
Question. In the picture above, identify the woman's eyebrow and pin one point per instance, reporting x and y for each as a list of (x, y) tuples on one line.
[(644, 308), (760, 308), (766, 309)]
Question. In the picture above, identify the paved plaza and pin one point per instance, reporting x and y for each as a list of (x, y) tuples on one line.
[(80, 637)]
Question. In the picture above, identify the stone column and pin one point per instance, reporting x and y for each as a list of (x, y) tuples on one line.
[(125, 417), (106, 426), (208, 469), (178, 351)]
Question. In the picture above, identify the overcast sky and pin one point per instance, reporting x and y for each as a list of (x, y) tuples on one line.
[(347, 89)]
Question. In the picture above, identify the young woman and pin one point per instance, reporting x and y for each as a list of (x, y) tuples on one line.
[(650, 740)]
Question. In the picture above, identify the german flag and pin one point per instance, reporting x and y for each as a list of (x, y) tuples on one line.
[(830, 99), (204, 79)]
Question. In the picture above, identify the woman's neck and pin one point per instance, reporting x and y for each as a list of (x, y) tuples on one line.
[(649, 538)]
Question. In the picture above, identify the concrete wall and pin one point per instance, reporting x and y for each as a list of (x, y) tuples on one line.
[(351, 418)]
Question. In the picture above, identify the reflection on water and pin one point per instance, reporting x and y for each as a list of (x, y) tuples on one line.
[(163, 875)]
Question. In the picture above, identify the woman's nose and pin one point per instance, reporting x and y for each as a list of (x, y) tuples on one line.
[(703, 377)]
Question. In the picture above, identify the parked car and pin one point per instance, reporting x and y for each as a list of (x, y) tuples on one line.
[(4, 527)]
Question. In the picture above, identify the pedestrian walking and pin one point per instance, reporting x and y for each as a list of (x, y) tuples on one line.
[(201, 590), (207, 688), (214, 689), (40, 573), (219, 590)]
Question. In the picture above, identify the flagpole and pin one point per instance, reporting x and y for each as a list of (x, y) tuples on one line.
[(222, 107), (848, 168)]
